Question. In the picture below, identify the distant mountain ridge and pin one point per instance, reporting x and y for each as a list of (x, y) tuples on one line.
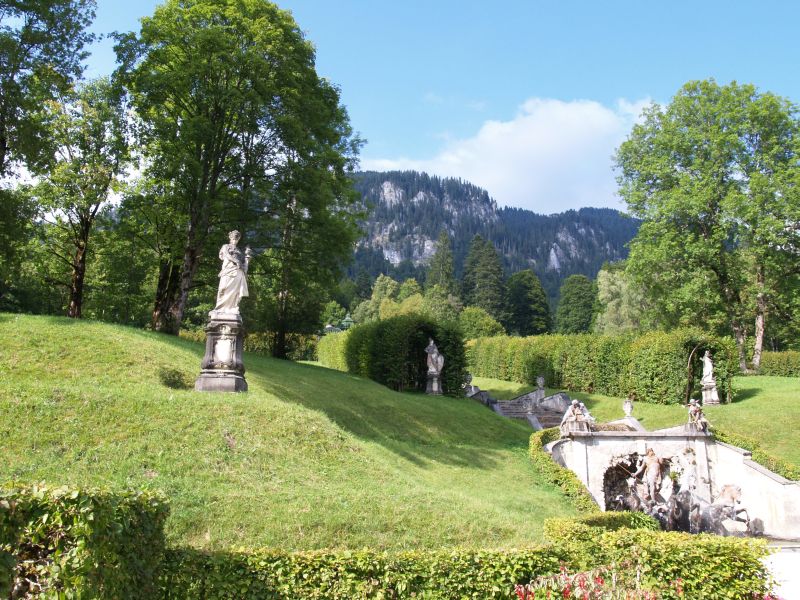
[(407, 210)]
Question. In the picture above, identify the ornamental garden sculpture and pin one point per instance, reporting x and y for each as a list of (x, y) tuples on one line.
[(222, 369)]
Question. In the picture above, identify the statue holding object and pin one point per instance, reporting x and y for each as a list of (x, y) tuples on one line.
[(435, 366), (222, 369)]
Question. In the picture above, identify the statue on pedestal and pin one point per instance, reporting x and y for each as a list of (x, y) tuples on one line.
[(222, 366), (435, 366), (708, 382), (574, 420)]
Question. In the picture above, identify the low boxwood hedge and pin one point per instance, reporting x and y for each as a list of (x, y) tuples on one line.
[(70, 543)]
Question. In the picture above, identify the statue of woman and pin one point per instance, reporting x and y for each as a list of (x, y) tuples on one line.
[(435, 358), (233, 275), (708, 370)]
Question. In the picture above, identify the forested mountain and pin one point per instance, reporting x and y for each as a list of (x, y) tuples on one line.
[(407, 211)]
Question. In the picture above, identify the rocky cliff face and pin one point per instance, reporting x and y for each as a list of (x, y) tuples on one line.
[(408, 210)]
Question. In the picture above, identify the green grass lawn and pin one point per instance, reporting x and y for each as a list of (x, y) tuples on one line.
[(766, 409), (308, 458)]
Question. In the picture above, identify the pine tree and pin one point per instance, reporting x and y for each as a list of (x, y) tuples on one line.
[(441, 270), (489, 289), (470, 267), (528, 310), (577, 305)]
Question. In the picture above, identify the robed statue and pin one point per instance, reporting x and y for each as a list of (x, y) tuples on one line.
[(233, 275)]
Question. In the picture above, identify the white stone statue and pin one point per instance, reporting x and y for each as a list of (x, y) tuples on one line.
[(435, 358), (572, 418), (708, 370), (696, 416), (233, 275), (650, 467)]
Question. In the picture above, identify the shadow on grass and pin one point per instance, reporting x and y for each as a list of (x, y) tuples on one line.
[(746, 394), (419, 428), (175, 379)]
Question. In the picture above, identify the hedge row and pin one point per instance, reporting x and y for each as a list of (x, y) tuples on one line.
[(344, 575), (56, 541), (95, 544), (331, 349), (557, 475), (781, 364), (392, 352), (677, 565), (654, 367)]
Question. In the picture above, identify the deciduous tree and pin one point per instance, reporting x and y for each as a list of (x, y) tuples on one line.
[(41, 53), (87, 130), (714, 175)]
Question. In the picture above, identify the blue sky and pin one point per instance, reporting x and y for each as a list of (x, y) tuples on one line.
[(527, 99)]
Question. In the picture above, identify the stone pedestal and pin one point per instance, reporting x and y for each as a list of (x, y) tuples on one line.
[(710, 395), (434, 386), (222, 369)]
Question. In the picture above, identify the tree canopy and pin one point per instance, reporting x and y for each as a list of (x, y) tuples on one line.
[(714, 176)]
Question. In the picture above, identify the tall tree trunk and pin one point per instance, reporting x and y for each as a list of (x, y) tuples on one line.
[(172, 312), (761, 318), (169, 277), (76, 283), (739, 336)]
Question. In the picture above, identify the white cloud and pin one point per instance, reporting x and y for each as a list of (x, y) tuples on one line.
[(552, 156)]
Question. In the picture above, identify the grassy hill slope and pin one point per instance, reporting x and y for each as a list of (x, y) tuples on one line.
[(308, 458)]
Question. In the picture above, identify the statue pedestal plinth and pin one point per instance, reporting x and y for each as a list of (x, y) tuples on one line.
[(434, 386), (222, 369), (710, 395)]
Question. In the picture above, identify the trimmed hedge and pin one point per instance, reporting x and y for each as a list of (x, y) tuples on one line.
[(274, 574), (557, 475), (708, 567), (97, 544), (80, 543), (331, 348), (392, 352), (654, 367), (780, 364)]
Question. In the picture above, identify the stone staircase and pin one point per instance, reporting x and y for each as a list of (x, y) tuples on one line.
[(533, 408), (538, 416)]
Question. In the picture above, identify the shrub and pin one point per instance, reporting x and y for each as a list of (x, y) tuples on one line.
[(780, 364), (705, 566), (392, 352), (330, 350), (191, 574), (655, 367), (92, 543), (557, 475)]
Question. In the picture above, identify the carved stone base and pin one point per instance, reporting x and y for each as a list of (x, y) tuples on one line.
[(222, 369), (710, 395), (434, 386)]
